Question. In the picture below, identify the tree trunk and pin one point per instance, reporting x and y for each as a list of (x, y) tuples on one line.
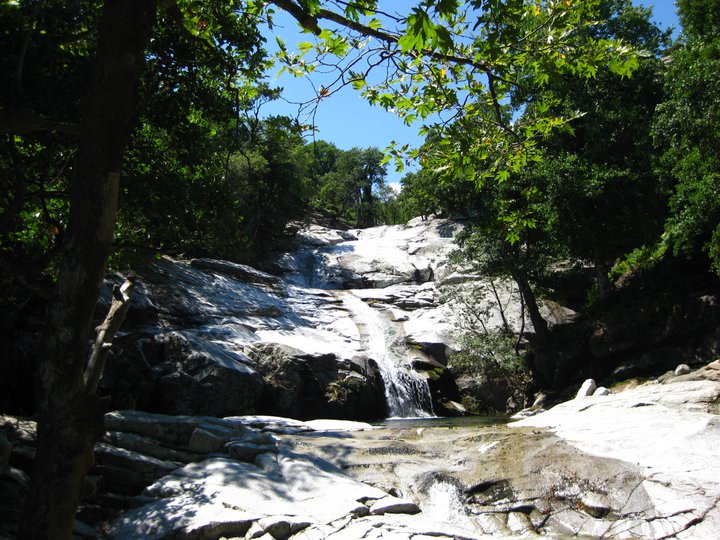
[(366, 203), (70, 419), (602, 269), (539, 323), (543, 363)]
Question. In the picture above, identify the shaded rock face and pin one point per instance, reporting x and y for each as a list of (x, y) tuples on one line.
[(654, 321), (293, 379), (204, 380), (487, 394)]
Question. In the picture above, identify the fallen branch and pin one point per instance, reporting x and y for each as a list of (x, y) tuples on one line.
[(106, 332)]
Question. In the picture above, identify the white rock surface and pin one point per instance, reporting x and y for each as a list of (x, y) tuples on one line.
[(641, 463), (586, 389), (667, 431)]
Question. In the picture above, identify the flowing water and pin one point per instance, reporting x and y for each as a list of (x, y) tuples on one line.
[(407, 392), (445, 503)]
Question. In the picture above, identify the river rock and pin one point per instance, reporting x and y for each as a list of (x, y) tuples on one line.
[(393, 505), (586, 389), (682, 369)]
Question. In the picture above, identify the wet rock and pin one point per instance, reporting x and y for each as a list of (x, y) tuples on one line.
[(187, 355)]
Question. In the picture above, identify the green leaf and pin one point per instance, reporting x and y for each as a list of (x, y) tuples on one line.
[(443, 38), (305, 46)]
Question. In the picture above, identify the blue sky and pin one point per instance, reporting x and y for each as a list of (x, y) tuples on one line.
[(347, 120)]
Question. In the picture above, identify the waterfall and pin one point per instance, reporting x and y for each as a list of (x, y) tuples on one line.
[(406, 392), (445, 504)]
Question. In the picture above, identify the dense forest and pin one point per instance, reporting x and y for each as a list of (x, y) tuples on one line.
[(572, 131)]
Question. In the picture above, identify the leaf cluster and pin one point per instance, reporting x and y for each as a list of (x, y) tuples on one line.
[(687, 135)]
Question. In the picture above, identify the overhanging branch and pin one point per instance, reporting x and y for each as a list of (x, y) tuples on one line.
[(310, 23), (23, 121)]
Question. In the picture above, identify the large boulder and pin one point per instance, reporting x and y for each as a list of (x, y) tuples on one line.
[(302, 385), (205, 380), (176, 373), (484, 392)]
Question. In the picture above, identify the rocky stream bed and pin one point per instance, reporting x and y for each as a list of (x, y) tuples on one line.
[(641, 463), (215, 359)]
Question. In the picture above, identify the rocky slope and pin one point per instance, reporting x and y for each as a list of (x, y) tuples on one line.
[(641, 463), (349, 324)]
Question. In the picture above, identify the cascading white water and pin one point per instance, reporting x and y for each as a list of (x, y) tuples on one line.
[(407, 393), (444, 504)]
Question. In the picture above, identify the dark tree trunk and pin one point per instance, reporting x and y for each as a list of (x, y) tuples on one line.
[(602, 269), (539, 323), (367, 206), (70, 418), (544, 362)]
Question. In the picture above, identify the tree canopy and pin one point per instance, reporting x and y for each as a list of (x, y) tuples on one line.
[(687, 135)]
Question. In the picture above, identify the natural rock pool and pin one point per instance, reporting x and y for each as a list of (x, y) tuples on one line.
[(638, 464)]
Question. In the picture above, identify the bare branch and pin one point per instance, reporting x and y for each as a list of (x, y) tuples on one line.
[(106, 332)]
